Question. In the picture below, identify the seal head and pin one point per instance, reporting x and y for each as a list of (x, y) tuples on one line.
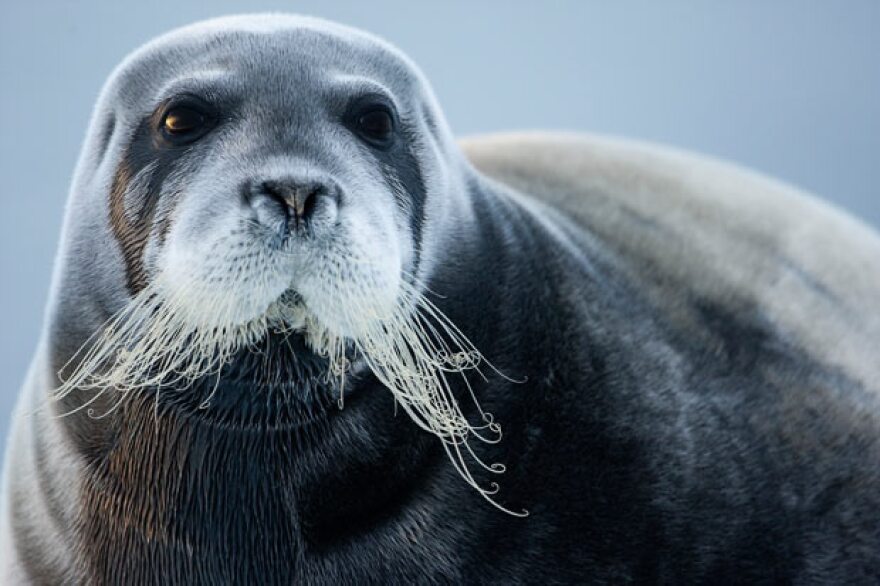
[(257, 192)]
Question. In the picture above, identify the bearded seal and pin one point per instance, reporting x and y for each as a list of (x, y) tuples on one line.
[(288, 307)]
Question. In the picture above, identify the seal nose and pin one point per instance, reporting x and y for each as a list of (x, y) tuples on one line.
[(296, 203)]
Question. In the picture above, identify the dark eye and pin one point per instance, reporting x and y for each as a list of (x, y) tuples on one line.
[(183, 120), (376, 125)]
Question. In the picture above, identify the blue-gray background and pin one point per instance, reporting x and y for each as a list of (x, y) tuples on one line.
[(791, 88)]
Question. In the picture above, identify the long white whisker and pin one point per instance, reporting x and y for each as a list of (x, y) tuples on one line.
[(160, 340)]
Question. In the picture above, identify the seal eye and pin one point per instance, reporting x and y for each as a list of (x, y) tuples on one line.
[(182, 120), (376, 125)]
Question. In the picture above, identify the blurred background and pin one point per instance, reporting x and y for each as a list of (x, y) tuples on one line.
[(790, 88)]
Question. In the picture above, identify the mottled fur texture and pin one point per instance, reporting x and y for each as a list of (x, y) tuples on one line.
[(685, 354)]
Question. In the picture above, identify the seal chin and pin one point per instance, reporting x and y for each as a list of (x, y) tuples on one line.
[(284, 379), (278, 382)]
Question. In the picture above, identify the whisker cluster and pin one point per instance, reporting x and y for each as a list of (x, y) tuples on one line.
[(410, 345)]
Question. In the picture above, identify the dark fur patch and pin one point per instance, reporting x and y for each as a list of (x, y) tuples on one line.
[(131, 235), (400, 165)]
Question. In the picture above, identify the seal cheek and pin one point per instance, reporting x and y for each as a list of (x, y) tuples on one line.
[(132, 224), (131, 234)]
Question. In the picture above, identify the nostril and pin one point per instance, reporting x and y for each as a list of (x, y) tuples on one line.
[(274, 191), (299, 200), (311, 200)]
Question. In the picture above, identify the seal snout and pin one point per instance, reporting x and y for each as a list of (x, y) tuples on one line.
[(294, 204)]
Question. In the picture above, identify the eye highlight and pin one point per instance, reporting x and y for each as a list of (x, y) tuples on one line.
[(185, 121), (182, 120)]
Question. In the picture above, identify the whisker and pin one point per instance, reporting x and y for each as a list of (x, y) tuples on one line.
[(172, 335)]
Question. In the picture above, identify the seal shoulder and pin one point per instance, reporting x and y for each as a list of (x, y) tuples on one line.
[(686, 223)]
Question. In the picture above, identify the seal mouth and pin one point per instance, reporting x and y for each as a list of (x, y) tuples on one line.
[(277, 382)]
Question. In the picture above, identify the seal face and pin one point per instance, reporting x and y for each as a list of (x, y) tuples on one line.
[(276, 189), (270, 220)]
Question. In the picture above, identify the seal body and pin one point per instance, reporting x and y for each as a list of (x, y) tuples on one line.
[(686, 352)]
